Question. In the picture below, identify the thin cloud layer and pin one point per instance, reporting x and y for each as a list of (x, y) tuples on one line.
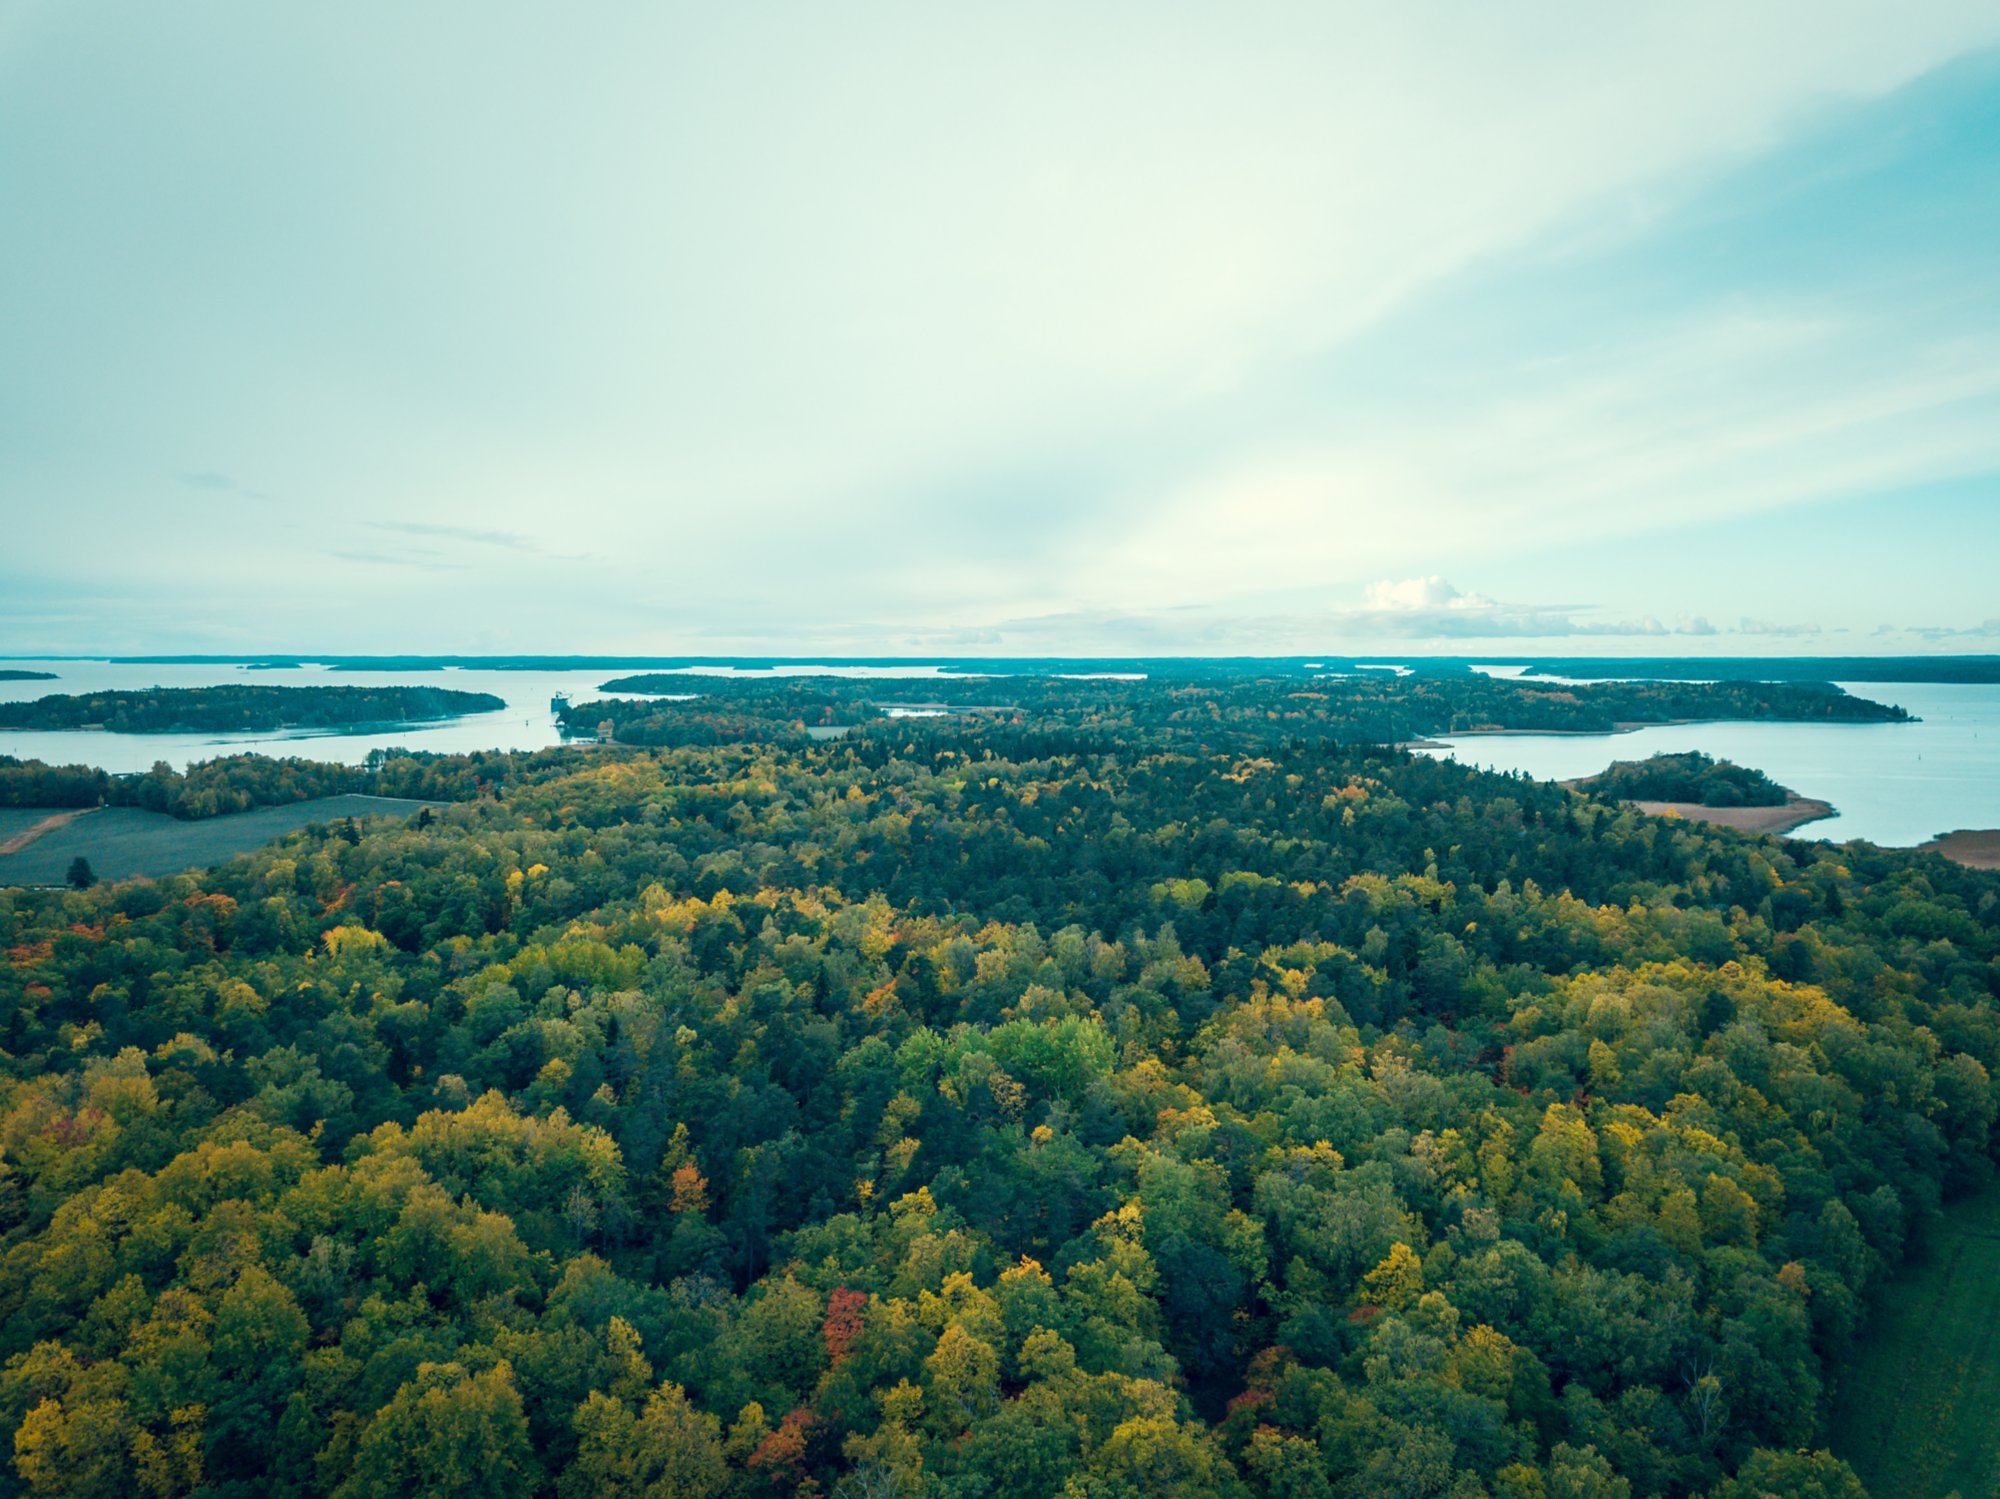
[(783, 330)]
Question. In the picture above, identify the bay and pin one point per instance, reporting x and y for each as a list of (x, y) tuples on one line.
[(526, 723), (1896, 784)]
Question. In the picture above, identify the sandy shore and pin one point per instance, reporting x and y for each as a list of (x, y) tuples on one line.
[(1976, 848), (1796, 812)]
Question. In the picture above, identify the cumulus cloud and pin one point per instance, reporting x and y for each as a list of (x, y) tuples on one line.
[(1433, 608), (1422, 593)]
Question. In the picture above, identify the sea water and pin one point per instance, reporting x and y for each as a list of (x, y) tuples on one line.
[(1895, 784)]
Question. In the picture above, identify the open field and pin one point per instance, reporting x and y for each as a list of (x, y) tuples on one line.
[(13, 841), (1796, 812), (1976, 848), (124, 841), (1915, 1412), (15, 821)]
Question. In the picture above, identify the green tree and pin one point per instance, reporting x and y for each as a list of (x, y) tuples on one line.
[(447, 1434), (668, 1450)]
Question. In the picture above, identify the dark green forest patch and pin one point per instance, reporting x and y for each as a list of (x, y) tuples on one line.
[(1689, 777), (242, 709)]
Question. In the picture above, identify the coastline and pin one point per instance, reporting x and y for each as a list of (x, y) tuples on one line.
[(1975, 848), (1634, 726), (1795, 813), (1444, 741)]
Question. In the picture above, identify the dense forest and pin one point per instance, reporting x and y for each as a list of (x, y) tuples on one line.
[(1244, 709), (237, 709), (982, 1106), (236, 783), (1686, 777)]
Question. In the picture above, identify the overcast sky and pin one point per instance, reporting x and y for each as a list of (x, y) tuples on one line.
[(1008, 328)]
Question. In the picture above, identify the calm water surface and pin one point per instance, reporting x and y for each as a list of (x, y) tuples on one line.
[(1893, 784), (525, 723)]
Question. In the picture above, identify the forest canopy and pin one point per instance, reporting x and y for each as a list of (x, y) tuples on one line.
[(1687, 777), (236, 783), (974, 1106), (236, 709), (1377, 709)]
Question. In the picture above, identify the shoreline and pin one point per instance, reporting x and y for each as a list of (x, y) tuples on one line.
[(1975, 848), (1444, 741), (1796, 812), (1634, 726)]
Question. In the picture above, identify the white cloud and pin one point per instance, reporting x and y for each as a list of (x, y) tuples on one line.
[(1428, 613), (1421, 593)]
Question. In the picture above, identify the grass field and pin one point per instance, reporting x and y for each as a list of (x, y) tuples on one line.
[(123, 841), (14, 820), (1919, 1411)]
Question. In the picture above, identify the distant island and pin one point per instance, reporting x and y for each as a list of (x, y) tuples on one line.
[(1947, 668), (243, 709), (1375, 709), (16, 674), (1961, 668)]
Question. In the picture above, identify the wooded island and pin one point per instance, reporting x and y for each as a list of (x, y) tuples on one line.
[(242, 709)]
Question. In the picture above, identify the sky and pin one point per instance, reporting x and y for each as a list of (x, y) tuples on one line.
[(890, 329)]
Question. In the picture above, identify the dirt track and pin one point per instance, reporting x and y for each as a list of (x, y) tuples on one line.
[(47, 825)]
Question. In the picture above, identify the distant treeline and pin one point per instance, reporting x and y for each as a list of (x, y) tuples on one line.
[(1786, 668), (236, 783), (1961, 668), (15, 674), (232, 709), (1359, 710), (1690, 777)]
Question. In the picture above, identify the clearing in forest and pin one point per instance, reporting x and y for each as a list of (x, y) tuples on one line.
[(121, 842), (1915, 1414)]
